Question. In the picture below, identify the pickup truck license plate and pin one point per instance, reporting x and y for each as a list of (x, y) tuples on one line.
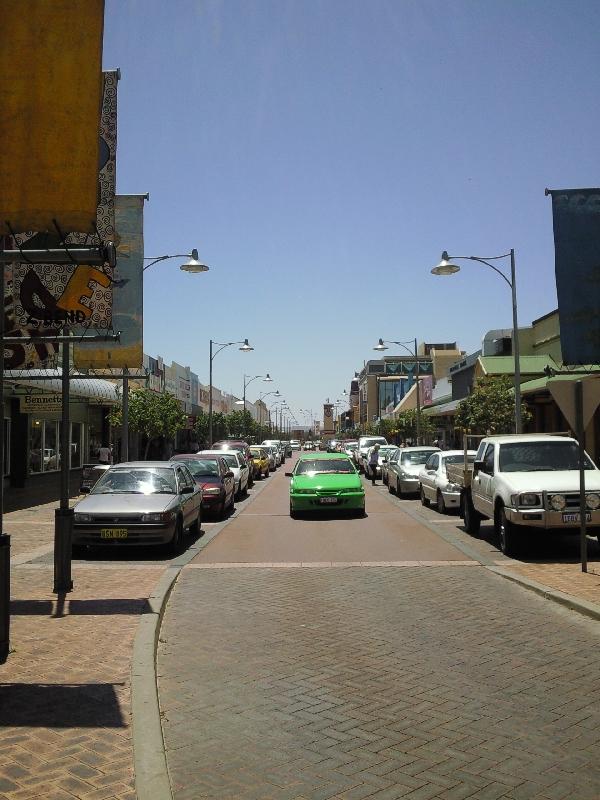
[(574, 517), (327, 500), (113, 533)]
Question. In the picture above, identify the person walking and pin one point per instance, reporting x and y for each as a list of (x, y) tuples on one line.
[(105, 454), (374, 463)]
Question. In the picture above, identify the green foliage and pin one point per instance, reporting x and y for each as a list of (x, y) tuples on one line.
[(241, 424), (151, 414), (490, 408)]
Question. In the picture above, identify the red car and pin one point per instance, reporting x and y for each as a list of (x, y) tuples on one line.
[(215, 479), (244, 447)]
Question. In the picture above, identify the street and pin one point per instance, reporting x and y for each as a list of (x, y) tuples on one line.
[(376, 657)]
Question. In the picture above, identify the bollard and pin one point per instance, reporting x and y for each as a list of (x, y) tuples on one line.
[(63, 534), (4, 596)]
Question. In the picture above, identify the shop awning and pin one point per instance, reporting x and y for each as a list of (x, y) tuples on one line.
[(49, 381)]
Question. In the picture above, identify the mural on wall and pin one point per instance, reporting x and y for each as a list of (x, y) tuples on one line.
[(43, 298)]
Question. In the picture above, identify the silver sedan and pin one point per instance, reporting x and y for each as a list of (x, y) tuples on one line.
[(139, 503)]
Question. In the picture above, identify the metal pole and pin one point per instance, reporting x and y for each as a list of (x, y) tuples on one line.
[(125, 418), (582, 504), (516, 347), (245, 392), (63, 516), (418, 395), (4, 538), (210, 399)]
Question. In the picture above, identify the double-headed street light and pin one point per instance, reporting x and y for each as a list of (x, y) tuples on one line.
[(245, 348), (266, 378), (382, 345), (446, 267)]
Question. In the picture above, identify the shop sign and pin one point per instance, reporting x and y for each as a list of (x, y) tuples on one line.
[(40, 403)]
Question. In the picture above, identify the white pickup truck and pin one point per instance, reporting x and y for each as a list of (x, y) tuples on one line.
[(529, 480)]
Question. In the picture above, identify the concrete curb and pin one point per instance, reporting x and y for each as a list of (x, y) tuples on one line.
[(569, 601), (150, 763)]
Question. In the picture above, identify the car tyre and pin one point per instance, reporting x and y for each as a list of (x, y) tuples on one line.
[(441, 505), (293, 514), (220, 512), (471, 518), (194, 528), (174, 545), (507, 533), (424, 499), (399, 491)]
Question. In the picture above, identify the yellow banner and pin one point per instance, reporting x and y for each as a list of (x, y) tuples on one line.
[(50, 97)]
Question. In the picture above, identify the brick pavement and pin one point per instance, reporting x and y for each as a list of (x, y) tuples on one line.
[(65, 727), (370, 682)]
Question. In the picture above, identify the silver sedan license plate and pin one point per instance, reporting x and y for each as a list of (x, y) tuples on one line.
[(113, 533), (327, 500), (574, 517)]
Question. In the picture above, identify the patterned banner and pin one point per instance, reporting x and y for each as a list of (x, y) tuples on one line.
[(576, 214), (43, 298)]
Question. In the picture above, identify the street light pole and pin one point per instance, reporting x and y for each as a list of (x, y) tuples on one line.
[(267, 379), (245, 348), (446, 267), (382, 345)]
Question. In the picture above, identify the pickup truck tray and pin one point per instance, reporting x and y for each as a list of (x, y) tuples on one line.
[(460, 475)]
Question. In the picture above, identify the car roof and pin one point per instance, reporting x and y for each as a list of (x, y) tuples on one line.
[(193, 456), (217, 452), (324, 456), (139, 464), (421, 447), (528, 437)]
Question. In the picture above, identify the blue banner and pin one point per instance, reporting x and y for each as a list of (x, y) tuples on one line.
[(576, 214)]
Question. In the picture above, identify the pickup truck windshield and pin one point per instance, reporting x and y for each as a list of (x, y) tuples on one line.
[(540, 457)]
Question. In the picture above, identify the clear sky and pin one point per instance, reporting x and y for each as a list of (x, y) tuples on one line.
[(320, 154)]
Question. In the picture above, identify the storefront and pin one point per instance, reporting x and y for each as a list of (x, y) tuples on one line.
[(32, 424)]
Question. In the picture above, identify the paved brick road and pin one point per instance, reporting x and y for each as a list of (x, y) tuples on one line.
[(373, 682)]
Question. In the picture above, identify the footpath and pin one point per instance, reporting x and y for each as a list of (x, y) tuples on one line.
[(65, 691)]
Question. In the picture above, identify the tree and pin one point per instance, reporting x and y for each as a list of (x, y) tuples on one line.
[(490, 408), (152, 414), (241, 424), (219, 428)]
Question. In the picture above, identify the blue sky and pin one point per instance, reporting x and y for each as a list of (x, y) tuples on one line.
[(321, 154)]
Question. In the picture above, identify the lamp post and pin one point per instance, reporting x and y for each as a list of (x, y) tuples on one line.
[(191, 265), (266, 378), (271, 407), (382, 345), (245, 348), (446, 267), (263, 395)]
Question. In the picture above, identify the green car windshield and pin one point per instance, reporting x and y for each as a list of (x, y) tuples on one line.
[(318, 466)]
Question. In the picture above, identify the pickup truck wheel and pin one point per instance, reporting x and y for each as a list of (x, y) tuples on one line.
[(424, 500), (441, 505), (471, 517), (506, 532)]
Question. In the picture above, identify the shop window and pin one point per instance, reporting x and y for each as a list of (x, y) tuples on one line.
[(76, 444), (43, 443)]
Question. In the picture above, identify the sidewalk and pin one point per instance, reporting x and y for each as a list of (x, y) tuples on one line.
[(65, 690), (65, 718)]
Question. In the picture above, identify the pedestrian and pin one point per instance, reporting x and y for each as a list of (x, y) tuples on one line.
[(374, 463), (105, 454)]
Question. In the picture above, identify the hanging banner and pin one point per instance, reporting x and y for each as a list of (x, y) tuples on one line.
[(576, 217), (50, 96), (127, 311), (43, 298)]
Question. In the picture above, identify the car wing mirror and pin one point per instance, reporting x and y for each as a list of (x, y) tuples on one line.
[(478, 466), (186, 490), (289, 474)]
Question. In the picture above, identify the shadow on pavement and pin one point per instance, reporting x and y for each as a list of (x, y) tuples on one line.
[(544, 547), (88, 705), (129, 553), (61, 608)]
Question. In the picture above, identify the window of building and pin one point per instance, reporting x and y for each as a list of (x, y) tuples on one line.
[(44, 445)]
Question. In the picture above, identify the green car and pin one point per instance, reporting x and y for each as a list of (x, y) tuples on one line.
[(323, 481)]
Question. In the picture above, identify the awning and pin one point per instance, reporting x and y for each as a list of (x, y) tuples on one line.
[(86, 388), (443, 409)]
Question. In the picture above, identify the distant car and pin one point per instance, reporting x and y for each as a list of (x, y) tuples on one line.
[(139, 503), (215, 478), (364, 445), (309, 446), (272, 453), (405, 466), (275, 444), (349, 448), (238, 465), (261, 460), (434, 483), (295, 445), (323, 481), (236, 444)]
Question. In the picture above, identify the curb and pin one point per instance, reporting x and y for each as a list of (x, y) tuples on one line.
[(568, 600), (149, 760)]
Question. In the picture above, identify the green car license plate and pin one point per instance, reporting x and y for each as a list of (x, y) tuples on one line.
[(574, 517), (113, 533), (328, 500)]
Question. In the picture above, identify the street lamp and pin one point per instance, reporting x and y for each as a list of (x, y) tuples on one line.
[(245, 348), (382, 345), (271, 407), (266, 378), (191, 265), (446, 267)]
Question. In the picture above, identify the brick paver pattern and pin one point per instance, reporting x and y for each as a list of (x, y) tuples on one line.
[(397, 682)]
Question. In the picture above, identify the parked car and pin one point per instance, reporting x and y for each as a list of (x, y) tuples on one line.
[(236, 444), (385, 453), (295, 445), (272, 453), (90, 475), (434, 484), (261, 461), (237, 463), (216, 480), (405, 466), (364, 444), (323, 481), (275, 444), (309, 445), (139, 503)]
